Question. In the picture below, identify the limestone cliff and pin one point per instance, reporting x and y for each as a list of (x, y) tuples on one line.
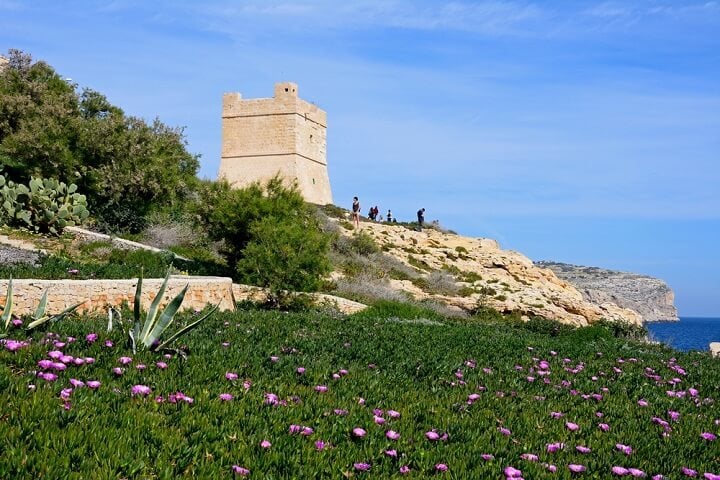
[(486, 274), (650, 297)]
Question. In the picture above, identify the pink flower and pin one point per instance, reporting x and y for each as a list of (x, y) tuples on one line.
[(108, 343), (432, 435), (125, 360), (379, 420), (361, 467), (688, 472), (530, 457), (142, 390), (391, 453), (321, 388), (91, 337), (392, 435), (393, 414), (55, 354), (358, 432), (573, 427), (404, 470), (320, 445), (271, 399), (556, 414), (604, 427), (161, 365), (711, 476), (554, 447), (550, 468), (93, 384), (341, 412), (45, 364), (626, 449), (582, 449), (620, 471), (300, 370), (441, 467), (76, 383), (225, 397), (511, 472), (117, 371), (265, 444), (504, 431), (643, 403), (575, 468), (231, 376), (306, 431), (274, 359), (48, 377), (636, 472), (487, 456), (140, 366), (238, 470), (710, 437)]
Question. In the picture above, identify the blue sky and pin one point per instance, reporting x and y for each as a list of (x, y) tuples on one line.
[(585, 132)]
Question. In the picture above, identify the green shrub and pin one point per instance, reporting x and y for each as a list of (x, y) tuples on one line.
[(363, 244)]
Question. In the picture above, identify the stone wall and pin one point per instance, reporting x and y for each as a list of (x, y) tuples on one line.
[(99, 294), (266, 136)]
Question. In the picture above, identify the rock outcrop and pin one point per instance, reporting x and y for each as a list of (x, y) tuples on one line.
[(648, 296), (488, 275)]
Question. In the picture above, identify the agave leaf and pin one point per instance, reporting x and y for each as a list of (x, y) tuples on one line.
[(131, 334), (166, 318), (40, 311), (112, 313), (52, 318), (186, 329), (7, 311), (152, 313), (138, 298)]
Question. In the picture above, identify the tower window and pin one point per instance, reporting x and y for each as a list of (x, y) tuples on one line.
[(286, 89)]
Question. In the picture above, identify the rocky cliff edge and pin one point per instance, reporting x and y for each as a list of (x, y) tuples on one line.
[(489, 276)]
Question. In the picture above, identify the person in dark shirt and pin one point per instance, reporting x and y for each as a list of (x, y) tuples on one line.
[(356, 212), (421, 218)]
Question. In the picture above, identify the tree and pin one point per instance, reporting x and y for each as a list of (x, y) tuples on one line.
[(126, 167)]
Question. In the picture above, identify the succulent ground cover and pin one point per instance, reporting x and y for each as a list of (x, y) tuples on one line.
[(312, 395)]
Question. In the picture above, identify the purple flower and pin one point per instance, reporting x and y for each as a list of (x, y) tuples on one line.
[(378, 420), (604, 427), (274, 359), (140, 366), (643, 403), (17, 322), (573, 427), (125, 360), (636, 472), (626, 449), (161, 365), (504, 431), (432, 435), (265, 444), (306, 431), (582, 449), (91, 337), (711, 476), (361, 467), (117, 371), (109, 343), (391, 453), (48, 377), (271, 399), (142, 390), (710, 437), (76, 383), (575, 468), (321, 388), (487, 457), (392, 435), (441, 467), (530, 457), (320, 445), (225, 397), (93, 384), (238, 470), (511, 472), (45, 364), (55, 354), (231, 376), (358, 432), (688, 472), (300, 370), (554, 447), (404, 469)]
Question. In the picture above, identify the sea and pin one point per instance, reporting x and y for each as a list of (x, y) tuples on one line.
[(690, 333)]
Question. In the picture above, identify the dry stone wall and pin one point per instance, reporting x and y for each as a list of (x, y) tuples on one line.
[(98, 295)]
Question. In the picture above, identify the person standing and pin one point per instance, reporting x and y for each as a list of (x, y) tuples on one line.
[(356, 212), (389, 217), (421, 218)]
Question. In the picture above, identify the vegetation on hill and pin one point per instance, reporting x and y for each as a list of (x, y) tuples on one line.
[(126, 167), (392, 390)]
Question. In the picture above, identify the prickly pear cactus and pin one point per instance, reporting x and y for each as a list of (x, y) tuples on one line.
[(46, 205)]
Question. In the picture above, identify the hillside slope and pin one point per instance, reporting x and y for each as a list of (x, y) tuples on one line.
[(486, 275)]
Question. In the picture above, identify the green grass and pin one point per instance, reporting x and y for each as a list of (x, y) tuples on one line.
[(399, 357)]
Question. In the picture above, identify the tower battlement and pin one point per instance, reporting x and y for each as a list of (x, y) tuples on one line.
[(262, 137)]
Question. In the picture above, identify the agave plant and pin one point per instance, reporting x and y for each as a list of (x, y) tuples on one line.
[(150, 332), (38, 318)]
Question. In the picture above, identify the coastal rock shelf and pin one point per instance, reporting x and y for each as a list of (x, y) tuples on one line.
[(650, 297)]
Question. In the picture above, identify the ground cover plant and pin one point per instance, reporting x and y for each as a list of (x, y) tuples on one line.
[(396, 391)]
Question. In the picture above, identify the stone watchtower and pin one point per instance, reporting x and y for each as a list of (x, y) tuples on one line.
[(284, 134)]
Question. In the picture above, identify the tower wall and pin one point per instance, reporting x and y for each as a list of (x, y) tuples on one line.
[(283, 134)]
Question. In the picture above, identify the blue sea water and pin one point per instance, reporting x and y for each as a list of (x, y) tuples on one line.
[(690, 333)]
